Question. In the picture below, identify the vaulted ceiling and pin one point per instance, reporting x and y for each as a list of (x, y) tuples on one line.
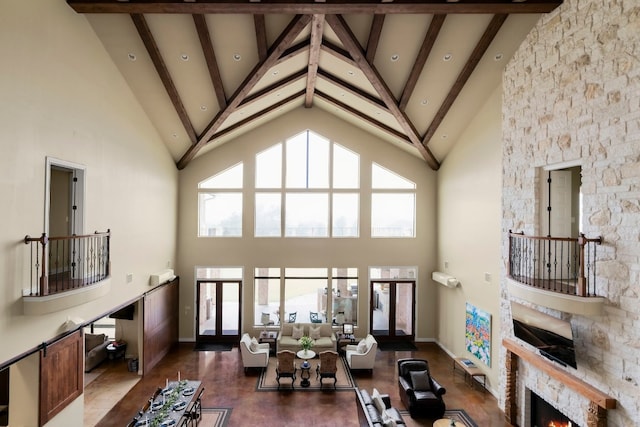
[(410, 72)]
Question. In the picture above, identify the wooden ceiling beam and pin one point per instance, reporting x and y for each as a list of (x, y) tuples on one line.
[(297, 49), (297, 24), (374, 37), (210, 57), (370, 121), (264, 93), (317, 26), (261, 36), (475, 57), (373, 101), (339, 53), (352, 45), (310, 7), (427, 44), (161, 68)]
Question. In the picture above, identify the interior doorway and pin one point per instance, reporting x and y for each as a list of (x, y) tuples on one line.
[(392, 310), (64, 204), (218, 314)]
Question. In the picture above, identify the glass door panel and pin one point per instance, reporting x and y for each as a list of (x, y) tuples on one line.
[(392, 313), (404, 309), (230, 308), (218, 314), (207, 308), (380, 309)]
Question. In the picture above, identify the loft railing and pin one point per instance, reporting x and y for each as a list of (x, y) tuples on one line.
[(61, 264), (563, 265)]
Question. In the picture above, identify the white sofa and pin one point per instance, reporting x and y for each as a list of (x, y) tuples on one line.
[(363, 357), (254, 355), (326, 341)]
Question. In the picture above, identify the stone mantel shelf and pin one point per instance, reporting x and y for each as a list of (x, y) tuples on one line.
[(587, 390)]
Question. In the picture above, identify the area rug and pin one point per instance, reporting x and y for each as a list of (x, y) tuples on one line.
[(345, 382), (458, 415), (397, 346), (203, 346), (215, 417)]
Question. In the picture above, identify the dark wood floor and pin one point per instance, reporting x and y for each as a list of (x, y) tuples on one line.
[(227, 386)]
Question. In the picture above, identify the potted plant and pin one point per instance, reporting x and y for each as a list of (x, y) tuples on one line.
[(306, 343)]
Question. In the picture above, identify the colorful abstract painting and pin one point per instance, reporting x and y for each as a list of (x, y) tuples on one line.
[(478, 333)]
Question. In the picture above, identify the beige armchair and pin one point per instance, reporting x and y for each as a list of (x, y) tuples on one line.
[(363, 355), (254, 355)]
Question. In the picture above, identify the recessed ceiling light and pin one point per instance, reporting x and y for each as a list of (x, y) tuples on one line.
[(132, 56), (350, 72), (342, 94), (175, 135), (498, 57), (444, 136), (424, 102), (184, 57), (395, 57), (447, 57), (237, 57), (275, 72), (203, 107)]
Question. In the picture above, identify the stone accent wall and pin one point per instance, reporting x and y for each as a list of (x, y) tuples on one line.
[(572, 93)]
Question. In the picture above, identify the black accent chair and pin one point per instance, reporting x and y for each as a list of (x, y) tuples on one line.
[(420, 393)]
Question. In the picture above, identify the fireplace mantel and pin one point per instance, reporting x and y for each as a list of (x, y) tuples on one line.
[(600, 402)]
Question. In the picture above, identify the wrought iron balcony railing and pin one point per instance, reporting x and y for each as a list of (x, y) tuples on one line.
[(563, 265), (62, 264)]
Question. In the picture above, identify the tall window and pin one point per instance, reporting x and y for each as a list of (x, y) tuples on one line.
[(309, 186), (220, 204), (393, 204), (309, 295)]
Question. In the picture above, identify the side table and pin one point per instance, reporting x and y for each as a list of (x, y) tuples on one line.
[(116, 350), (270, 338), (343, 340), (305, 366)]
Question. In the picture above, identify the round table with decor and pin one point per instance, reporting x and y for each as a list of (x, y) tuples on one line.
[(447, 422)]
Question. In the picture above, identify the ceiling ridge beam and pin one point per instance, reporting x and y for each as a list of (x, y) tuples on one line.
[(352, 45), (317, 26), (427, 44), (370, 120), (161, 68), (352, 89), (257, 115), (297, 24), (210, 57), (481, 47), (294, 7)]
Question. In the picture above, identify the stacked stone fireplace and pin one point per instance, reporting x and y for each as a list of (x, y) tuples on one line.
[(528, 374)]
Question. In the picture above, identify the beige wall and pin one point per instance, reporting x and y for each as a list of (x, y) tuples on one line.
[(469, 192), (63, 97), (250, 252)]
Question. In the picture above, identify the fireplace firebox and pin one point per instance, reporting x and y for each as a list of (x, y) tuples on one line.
[(545, 415)]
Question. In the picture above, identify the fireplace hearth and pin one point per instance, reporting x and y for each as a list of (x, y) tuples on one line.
[(545, 415)]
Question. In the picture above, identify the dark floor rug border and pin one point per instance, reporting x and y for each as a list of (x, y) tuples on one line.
[(397, 346), (223, 420), (212, 347)]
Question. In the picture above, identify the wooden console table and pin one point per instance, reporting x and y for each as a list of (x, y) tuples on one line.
[(470, 371)]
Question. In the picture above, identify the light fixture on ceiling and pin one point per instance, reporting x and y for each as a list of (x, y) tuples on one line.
[(275, 72), (447, 57), (203, 107), (175, 135), (498, 56), (184, 57), (350, 72), (395, 57), (444, 136), (132, 56), (237, 57), (424, 102)]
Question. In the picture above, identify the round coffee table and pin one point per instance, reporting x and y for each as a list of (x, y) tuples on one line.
[(446, 422), (305, 367)]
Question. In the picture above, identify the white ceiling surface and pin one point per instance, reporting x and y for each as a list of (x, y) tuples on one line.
[(235, 34)]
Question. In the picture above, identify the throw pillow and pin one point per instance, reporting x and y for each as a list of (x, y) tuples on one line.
[(362, 347), (377, 401), (387, 420), (254, 344), (314, 332), (298, 331), (420, 380), (93, 340)]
